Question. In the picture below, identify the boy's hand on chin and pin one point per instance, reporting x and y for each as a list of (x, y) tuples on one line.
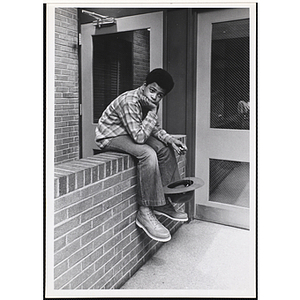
[(150, 106)]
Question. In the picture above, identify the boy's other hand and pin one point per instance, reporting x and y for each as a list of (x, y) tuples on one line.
[(179, 147)]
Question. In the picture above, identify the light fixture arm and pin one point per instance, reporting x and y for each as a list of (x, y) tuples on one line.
[(100, 19)]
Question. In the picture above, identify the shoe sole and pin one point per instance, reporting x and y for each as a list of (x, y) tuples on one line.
[(150, 235), (159, 213)]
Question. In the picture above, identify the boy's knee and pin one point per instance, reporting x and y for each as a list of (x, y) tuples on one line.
[(148, 155), (164, 151)]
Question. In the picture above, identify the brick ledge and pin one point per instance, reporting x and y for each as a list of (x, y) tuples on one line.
[(70, 176)]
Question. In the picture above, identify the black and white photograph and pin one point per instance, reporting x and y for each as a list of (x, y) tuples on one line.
[(151, 150)]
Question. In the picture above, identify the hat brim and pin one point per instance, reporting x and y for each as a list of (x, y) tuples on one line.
[(184, 185)]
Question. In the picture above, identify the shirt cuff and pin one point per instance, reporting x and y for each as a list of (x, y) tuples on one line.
[(152, 114), (169, 139)]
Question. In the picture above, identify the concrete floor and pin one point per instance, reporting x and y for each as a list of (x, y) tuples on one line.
[(205, 258)]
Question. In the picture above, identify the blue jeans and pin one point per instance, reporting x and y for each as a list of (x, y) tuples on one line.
[(156, 167)]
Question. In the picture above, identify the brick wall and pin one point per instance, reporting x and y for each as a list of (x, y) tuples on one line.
[(66, 123), (97, 244), (66, 139)]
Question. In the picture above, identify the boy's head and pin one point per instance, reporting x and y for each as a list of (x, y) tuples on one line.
[(162, 78)]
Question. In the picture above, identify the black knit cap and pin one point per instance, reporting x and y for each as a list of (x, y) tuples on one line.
[(162, 78)]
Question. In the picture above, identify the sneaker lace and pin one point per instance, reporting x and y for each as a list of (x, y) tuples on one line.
[(153, 218)]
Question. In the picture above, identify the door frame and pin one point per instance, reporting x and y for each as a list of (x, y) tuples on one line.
[(154, 21), (213, 211)]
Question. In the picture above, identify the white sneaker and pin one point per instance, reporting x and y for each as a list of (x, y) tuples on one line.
[(146, 220), (169, 211)]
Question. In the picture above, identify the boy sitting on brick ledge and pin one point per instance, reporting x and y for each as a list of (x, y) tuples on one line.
[(129, 124)]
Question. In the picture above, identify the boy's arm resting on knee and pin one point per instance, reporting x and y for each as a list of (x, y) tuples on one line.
[(179, 146), (168, 139), (163, 136)]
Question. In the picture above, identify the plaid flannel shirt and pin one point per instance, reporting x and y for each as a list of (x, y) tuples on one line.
[(124, 116)]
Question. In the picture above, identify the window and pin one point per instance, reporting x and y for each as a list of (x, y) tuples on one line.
[(121, 62), (229, 182), (230, 75)]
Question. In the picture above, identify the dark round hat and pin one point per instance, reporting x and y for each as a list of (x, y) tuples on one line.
[(182, 190)]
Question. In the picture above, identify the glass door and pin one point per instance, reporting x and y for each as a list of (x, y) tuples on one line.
[(224, 128)]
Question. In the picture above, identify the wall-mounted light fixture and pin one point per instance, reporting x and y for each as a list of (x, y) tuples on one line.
[(100, 19)]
